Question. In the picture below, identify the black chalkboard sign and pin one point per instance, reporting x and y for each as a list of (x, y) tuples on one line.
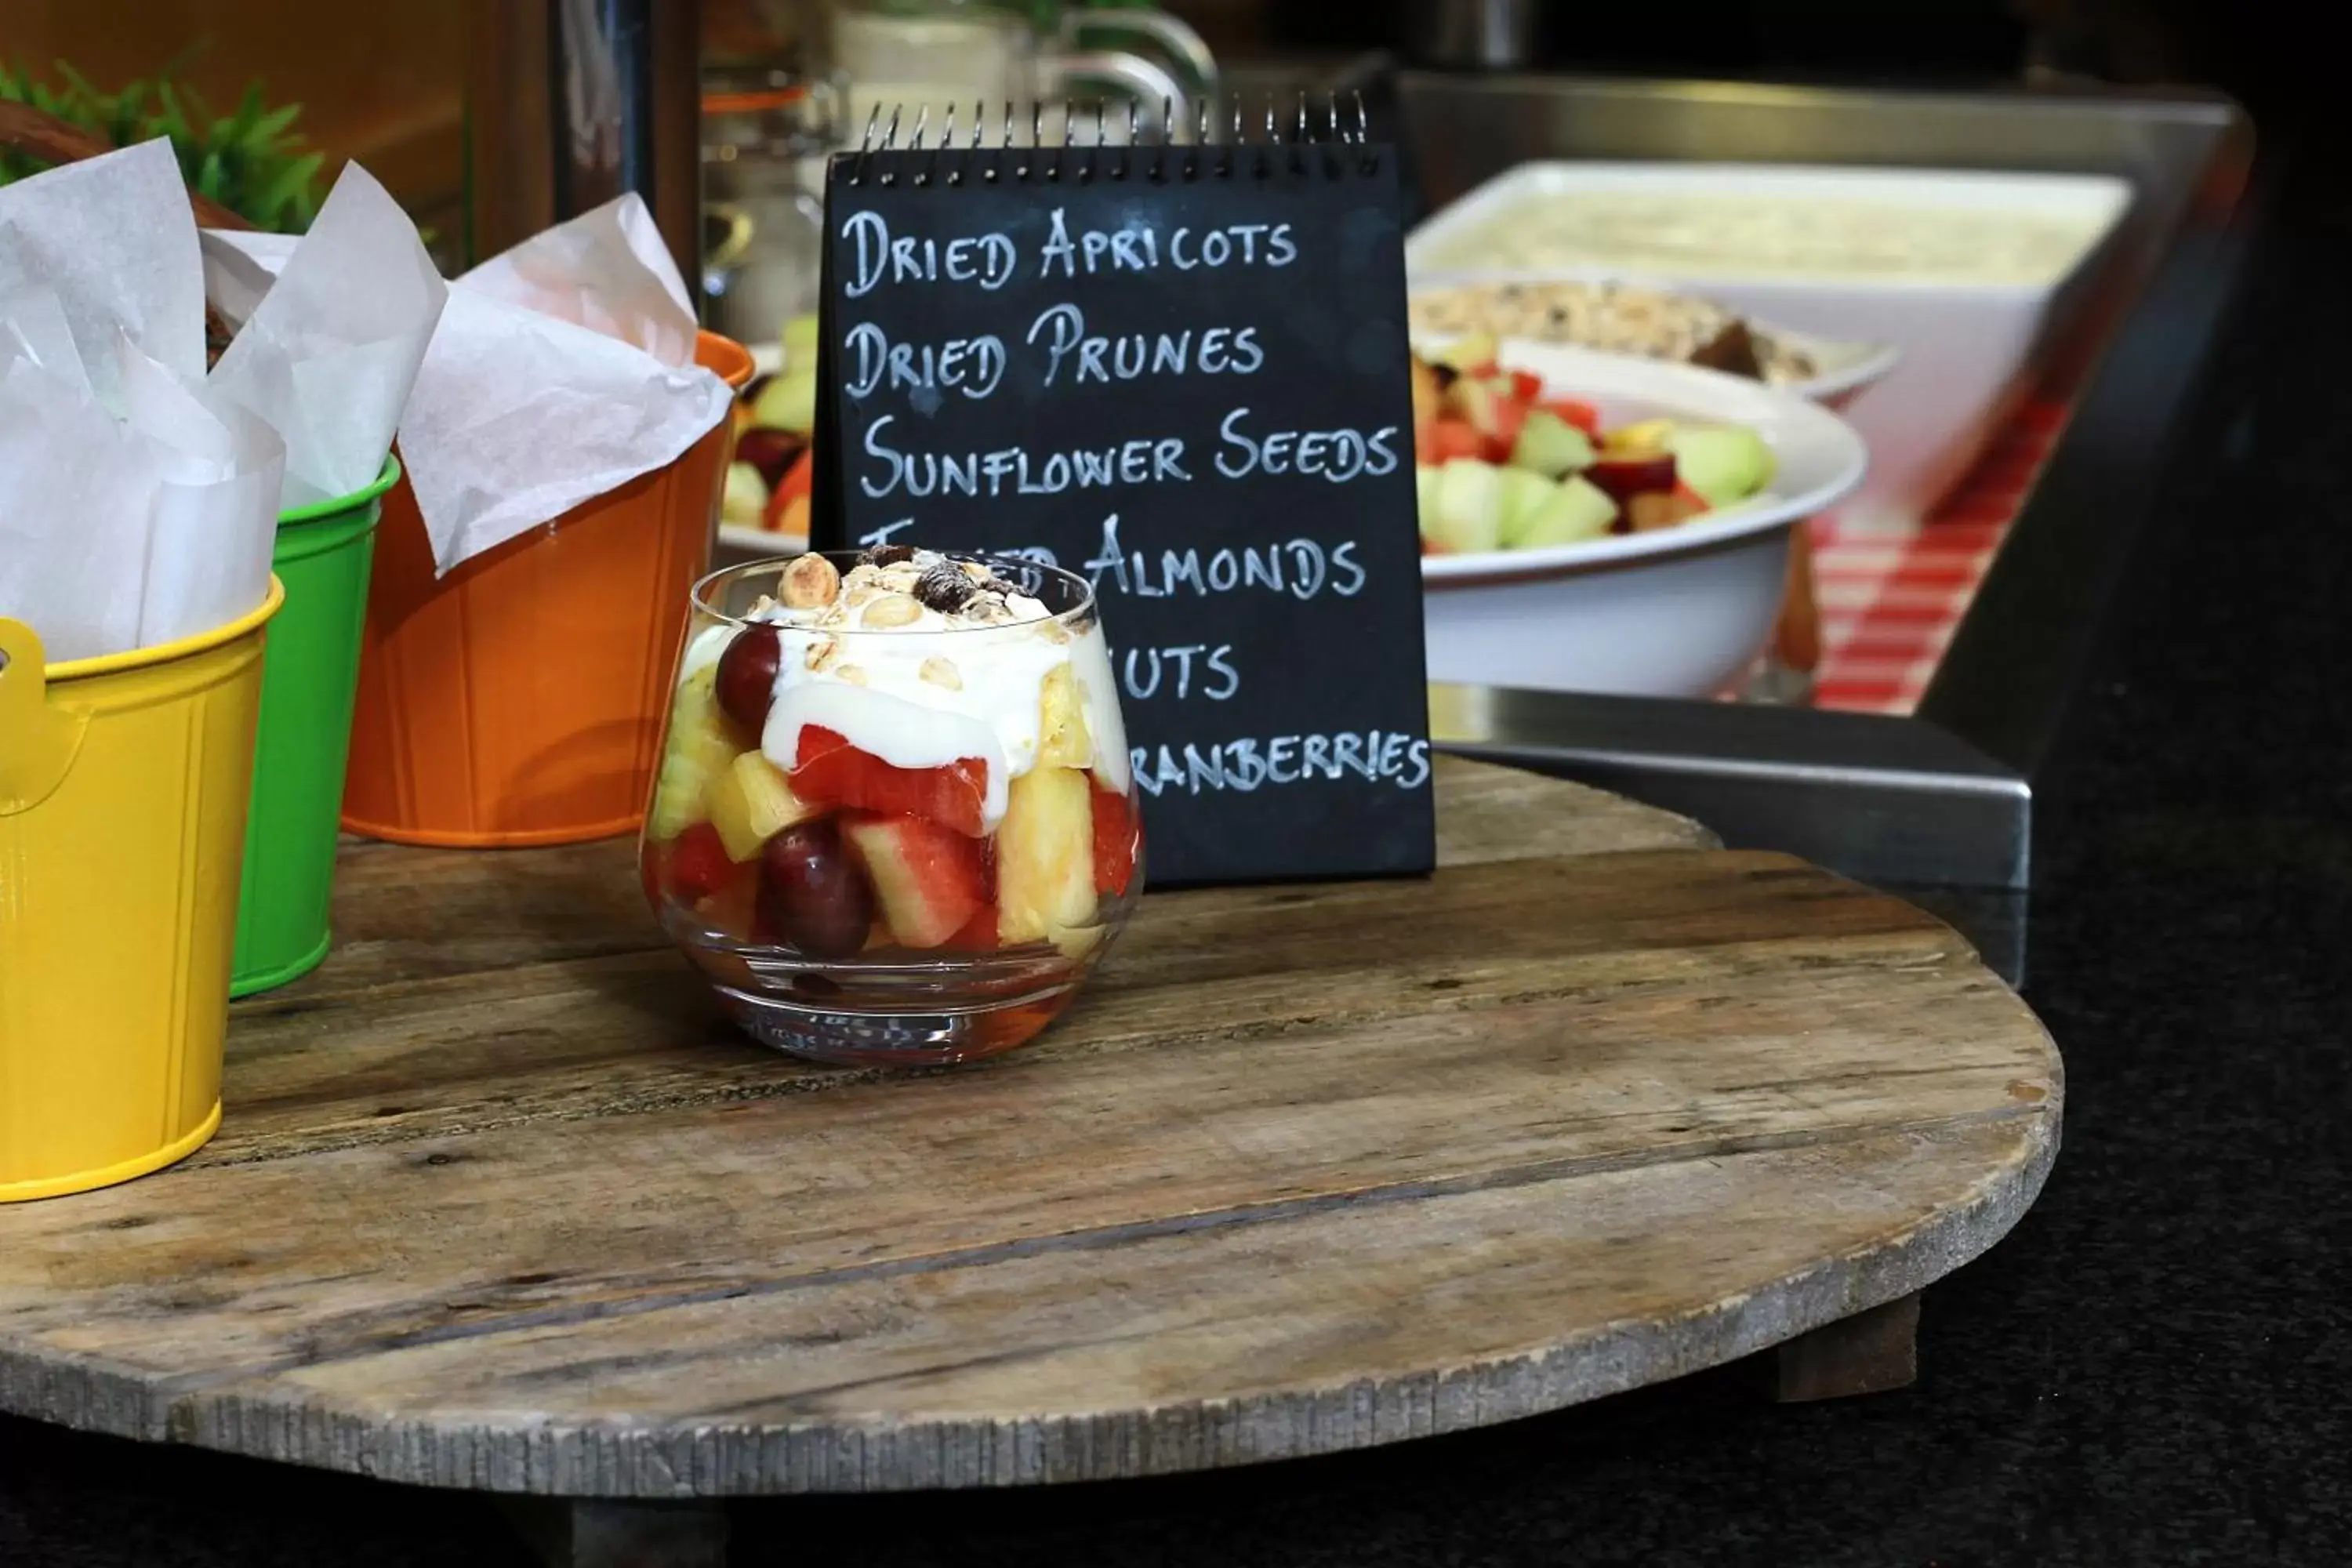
[(1182, 372)]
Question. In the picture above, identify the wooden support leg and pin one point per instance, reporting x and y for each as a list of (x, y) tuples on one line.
[(593, 1533), (1869, 1352)]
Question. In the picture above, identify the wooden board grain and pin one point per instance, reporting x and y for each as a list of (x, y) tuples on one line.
[(502, 1204)]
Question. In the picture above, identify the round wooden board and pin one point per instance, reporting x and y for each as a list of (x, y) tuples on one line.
[(500, 1204)]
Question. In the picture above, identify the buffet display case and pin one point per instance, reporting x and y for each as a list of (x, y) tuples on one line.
[(1950, 648)]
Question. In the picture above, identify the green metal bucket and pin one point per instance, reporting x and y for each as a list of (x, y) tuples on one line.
[(309, 674)]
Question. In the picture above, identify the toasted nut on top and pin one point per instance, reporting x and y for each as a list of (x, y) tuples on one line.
[(891, 610), (943, 673), (810, 580)]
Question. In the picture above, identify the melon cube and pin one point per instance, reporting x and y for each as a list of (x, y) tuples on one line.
[(929, 878)]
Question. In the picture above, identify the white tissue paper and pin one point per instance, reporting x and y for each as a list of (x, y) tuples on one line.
[(326, 353), (75, 503), (215, 462), (563, 369), (114, 240), (129, 529), (606, 270), (137, 507), (240, 267)]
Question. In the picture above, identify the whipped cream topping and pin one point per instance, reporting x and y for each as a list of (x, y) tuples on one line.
[(923, 662)]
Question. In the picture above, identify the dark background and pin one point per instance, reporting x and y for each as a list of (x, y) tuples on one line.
[(2262, 51)]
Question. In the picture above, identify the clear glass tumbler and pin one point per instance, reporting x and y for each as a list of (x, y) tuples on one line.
[(887, 830)]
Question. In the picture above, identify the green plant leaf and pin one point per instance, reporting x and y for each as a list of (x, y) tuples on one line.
[(115, 117), (173, 122), (249, 110), (253, 162), (76, 82), (267, 128), (290, 184)]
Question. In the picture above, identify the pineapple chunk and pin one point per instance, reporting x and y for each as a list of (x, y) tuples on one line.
[(1045, 856), (1062, 738), (695, 748), (751, 803), (1648, 436)]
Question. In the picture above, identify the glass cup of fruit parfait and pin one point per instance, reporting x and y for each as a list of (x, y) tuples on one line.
[(894, 820)]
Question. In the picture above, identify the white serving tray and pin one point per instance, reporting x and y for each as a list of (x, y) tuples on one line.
[(1966, 349)]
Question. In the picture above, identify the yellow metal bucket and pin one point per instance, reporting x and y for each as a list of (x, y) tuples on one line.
[(123, 783)]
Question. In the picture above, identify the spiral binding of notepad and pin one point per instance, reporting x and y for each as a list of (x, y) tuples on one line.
[(1299, 132)]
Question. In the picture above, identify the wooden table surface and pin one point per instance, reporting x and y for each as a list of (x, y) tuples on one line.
[(502, 1203)]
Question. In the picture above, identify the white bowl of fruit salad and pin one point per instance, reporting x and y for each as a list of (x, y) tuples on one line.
[(1598, 522), (894, 821)]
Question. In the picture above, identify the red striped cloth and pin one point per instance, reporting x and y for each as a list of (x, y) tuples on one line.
[(1891, 596)]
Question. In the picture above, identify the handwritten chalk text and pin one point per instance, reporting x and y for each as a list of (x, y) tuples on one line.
[(1375, 756)]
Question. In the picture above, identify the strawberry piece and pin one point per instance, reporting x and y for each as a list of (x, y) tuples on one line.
[(1118, 836), (698, 865), (829, 771), (930, 880), (791, 494), (732, 908), (978, 933), (1451, 437), (1508, 415), (800, 476), (1584, 416), (1527, 385)]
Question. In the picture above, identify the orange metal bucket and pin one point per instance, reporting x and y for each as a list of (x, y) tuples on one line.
[(520, 699)]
